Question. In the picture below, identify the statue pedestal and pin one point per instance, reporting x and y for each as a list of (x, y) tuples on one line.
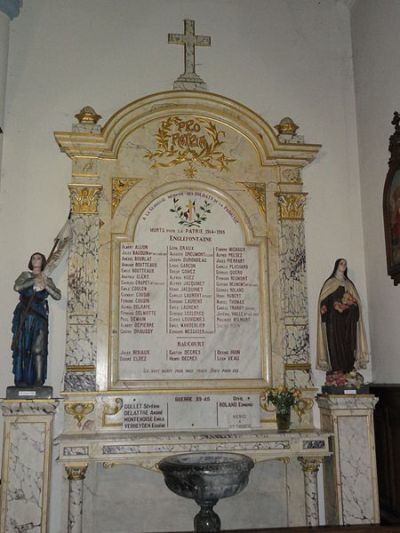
[(350, 479), (26, 464), (29, 393)]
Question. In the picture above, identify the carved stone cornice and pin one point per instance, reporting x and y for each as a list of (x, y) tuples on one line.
[(291, 205), (310, 464), (84, 198), (76, 472), (105, 143)]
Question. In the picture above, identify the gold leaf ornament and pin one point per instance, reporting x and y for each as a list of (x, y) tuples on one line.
[(79, 410), (191, 141)]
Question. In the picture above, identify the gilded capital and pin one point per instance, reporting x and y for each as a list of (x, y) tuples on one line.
[(84, 198), (310, 464), (291, 205), (76, 472)]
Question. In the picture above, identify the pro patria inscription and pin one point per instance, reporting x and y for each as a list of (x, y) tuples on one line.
[(189, 304), (196, 142)]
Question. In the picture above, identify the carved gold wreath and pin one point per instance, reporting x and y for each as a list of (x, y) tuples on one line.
[(209, 156)]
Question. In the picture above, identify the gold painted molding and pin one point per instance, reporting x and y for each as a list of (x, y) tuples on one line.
[(291, 205), (258, 191), (80, 368), (76, 472), (120, 186), (298, 366), (79, 410), (84, 198)]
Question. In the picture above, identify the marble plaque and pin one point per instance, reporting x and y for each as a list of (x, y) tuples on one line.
[(188, 411), (189, 278)]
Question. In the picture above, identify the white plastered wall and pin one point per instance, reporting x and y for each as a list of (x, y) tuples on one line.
[(278, 57), (377, 82)]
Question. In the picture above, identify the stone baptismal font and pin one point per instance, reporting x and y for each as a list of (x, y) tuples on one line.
[(206, 478)]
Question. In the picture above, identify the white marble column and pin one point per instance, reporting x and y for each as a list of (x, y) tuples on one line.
[(26, 464), (76, 474), (350, 479), (310, 468), (82, 289), (293, 281)]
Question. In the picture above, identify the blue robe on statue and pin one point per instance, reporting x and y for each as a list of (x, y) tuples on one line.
[(30, 327)]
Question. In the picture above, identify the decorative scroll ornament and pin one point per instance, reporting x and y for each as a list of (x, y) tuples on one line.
[(110, 411), (196, 142), (79, 410), (303, 405), (120, 186), (257, 190), (84, 198), (291, 205), (284, 460), (76, 472)]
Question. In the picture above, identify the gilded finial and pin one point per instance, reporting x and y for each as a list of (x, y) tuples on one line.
[(87, 115), (287, 127)]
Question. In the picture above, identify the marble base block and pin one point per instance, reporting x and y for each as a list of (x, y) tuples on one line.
[(350, 479), (26, 464)]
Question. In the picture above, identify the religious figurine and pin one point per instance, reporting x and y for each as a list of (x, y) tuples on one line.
[(30, 324), (341, 341)]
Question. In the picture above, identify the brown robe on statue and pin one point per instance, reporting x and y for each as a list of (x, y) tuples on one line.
[(341, 343)]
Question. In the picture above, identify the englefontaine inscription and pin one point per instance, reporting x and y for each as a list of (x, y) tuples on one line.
[(189, 293)]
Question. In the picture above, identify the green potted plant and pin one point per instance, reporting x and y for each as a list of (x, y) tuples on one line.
[(283, 398)]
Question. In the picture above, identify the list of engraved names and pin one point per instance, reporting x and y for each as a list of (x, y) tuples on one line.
[(189, 293)]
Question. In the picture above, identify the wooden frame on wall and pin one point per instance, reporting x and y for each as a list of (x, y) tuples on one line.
[(391, 204)]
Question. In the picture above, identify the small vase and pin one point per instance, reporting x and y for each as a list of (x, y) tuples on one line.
[(283, 420)]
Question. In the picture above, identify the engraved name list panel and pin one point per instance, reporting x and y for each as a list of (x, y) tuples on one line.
[(189, 294)]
